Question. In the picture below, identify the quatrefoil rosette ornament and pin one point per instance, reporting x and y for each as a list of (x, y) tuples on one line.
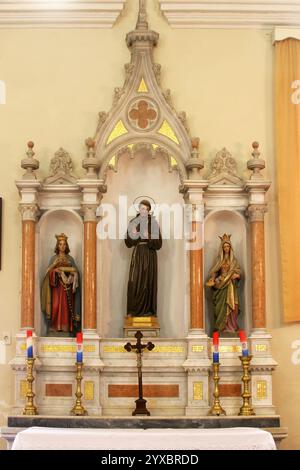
[(142, 114)]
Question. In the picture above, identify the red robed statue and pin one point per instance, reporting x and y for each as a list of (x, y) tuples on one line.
[(61, 300)]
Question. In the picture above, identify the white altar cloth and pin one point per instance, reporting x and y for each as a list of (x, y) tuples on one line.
[(37, 438)]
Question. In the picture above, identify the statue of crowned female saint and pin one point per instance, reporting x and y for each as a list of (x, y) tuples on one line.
[(144, 236), (223, 279), (61, 299)]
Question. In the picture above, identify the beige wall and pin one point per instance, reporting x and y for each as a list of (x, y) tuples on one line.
[(57, 82)]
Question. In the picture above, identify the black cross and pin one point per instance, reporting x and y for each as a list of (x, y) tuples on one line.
[(140, 408)]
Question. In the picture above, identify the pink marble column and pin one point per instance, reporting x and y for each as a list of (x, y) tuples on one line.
[(28, 266), (196, 278), (90, 276), (256, 216)]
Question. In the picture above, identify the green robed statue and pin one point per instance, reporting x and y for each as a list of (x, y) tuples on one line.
[(223, 279)]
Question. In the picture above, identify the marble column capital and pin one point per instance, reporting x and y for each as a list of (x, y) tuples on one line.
[(89, 212), (29, 211), (256, 212)]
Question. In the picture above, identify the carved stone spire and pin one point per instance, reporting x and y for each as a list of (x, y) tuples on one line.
[(142, 37), (142, 23), (90, 163), (142, 113)]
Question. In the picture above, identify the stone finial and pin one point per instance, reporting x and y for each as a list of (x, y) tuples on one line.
[(195, 143), (142, 35), (256, 164), (142, 23), (90, 163), (30, 164), (194, 164)]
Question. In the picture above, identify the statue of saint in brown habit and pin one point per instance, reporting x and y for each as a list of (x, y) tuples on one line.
[(144, 236)]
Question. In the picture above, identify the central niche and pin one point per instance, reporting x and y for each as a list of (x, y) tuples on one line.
[(142, 176)]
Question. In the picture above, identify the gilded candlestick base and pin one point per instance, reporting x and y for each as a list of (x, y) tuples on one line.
[(78, 409), (30, 408), (246, 409), (216, 409)]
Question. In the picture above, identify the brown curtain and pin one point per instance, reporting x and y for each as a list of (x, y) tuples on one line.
[(287, 109)]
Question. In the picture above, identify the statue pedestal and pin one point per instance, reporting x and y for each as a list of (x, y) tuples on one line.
[(149, 326)]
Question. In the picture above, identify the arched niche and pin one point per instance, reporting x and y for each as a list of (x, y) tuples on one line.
[(151, 146), (141, 175), (216, 224), (51, 223)]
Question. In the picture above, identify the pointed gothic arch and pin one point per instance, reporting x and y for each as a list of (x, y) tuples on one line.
[(142, 117)]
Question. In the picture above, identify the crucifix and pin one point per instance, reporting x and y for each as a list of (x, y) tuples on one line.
[(140, 408)]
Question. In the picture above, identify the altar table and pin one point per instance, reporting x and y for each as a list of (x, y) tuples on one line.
[(37, 438)]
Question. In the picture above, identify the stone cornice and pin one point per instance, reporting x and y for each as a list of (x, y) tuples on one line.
[(234, 14), (55, 14), (280, 34)]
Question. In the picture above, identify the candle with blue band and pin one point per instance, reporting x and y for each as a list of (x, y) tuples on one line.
[(215, 347), (79, 342), (243, 340), (29, 344)]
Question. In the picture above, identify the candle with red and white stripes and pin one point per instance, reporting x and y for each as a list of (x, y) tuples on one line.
[(215, 346), (243, 340), (79, 350), (29, 344)]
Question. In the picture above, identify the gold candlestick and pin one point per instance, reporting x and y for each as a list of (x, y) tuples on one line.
[(216, 409), (30, 408), (246, 409), (78, 409)]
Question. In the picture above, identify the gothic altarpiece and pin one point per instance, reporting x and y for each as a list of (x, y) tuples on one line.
[(146, 146)]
